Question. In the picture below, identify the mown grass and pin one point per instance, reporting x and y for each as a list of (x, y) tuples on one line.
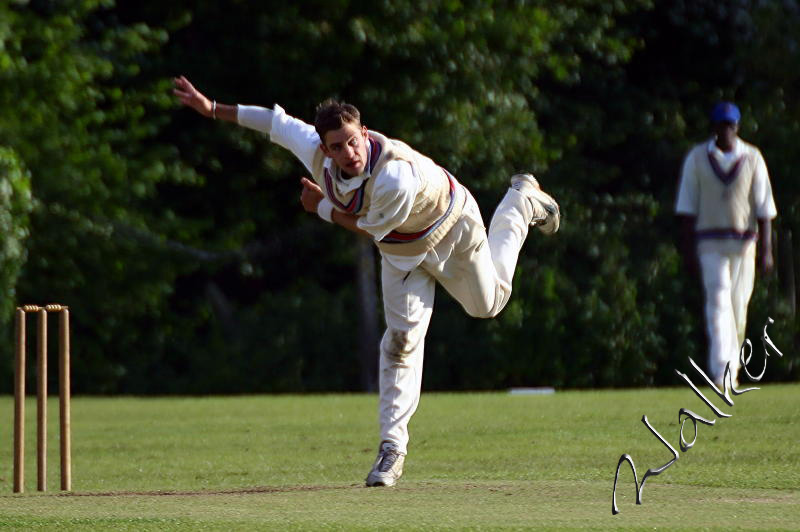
[(478, 461)]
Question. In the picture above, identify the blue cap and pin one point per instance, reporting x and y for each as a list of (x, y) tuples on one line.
[(725, 112)]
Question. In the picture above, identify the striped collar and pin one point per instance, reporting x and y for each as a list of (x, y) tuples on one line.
[(725, 165)]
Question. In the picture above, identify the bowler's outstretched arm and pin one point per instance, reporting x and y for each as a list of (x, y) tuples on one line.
[(191, 97)]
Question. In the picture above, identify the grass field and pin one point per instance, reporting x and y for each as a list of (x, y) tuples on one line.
[(485, 461)]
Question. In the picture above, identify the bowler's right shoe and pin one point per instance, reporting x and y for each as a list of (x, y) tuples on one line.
[(388, 467), (546, 214)]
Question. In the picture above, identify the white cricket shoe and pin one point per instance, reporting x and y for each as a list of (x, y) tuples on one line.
[(546, 214), (388, 467)]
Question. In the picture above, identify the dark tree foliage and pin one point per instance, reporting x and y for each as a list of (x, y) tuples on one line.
[(190, 267)]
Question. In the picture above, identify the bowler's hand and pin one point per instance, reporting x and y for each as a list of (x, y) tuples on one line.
[(191, 97), (311, 195)]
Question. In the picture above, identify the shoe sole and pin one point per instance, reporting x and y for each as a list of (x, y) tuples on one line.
[(381, 483), (551, 223)]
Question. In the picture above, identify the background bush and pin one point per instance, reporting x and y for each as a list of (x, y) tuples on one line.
[(180, 245)]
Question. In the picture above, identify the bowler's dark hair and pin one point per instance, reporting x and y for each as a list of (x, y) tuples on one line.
[(333, 115)]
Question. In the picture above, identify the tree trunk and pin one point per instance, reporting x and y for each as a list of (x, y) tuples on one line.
[(786, 269), (368, 328)]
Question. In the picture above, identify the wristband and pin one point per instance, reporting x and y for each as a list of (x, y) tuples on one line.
[(214, 109), (325, 210)]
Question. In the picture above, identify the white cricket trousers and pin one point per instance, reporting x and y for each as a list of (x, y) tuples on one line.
[(475, 269), (728, 284)]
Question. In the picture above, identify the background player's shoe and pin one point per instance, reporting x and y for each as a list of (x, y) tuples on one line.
[(388, 467), (546, 214)]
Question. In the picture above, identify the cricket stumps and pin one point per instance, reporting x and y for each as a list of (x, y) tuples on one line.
[(41, 396)]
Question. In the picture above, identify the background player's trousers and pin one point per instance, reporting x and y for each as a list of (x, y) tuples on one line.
[(475, 269), (728, 284)]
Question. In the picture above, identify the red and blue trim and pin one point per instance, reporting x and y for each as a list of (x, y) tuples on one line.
[(375, 149), (396, 237), (726, 177), (355, 203), (726, 234)]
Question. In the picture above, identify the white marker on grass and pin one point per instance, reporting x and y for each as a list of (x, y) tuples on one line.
[(541, 390)]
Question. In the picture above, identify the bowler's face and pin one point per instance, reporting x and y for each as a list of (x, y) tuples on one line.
[(347, 146)]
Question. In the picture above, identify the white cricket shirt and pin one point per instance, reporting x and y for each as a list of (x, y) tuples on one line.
[(395, 185), (688, 200)]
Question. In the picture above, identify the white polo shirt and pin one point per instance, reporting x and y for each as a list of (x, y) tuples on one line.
[(395, 186)]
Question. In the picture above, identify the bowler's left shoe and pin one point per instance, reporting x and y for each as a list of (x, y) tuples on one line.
[(388, 467), (546, 213)]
